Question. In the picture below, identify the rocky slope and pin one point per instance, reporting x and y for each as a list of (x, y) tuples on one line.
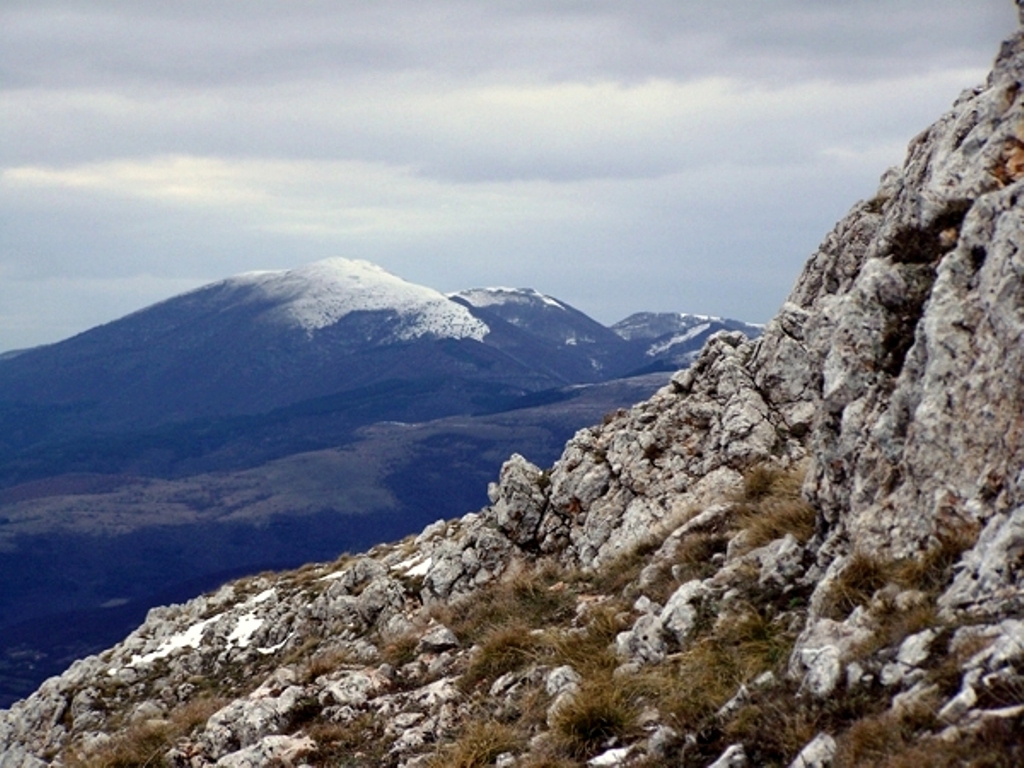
[(665, 594)]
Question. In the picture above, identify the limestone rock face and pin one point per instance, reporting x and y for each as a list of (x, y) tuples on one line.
[(663, 542), (519, 500), (904, 335), (911, 317), (683, 448)]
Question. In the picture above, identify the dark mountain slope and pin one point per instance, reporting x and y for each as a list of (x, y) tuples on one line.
[(598, 353)]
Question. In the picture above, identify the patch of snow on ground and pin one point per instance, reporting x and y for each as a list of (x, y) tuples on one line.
[(263, 596), (702, 318), (190, 638), (320, 294), (421, 569), (413, 566), (273, 648), (612, 757), (244, 630)]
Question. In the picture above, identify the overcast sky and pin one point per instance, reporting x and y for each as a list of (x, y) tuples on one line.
[(670, 155)]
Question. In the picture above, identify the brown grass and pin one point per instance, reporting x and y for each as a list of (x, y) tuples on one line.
[(324, 663), (761, 481), (142, 745), (894, 625), (930, 572), (771, 506), (862, 576), (478, 746), (534, 598), (600, 713), (304, 650), (547, 761), (589, 650), (997, 745), (138, 747), (400, 650), (692, 560), (694, 684), (503, 649), (773, 730), (308, 576), (618, 574), (758, 644), (774, 517), (358, 744), (879, 739)]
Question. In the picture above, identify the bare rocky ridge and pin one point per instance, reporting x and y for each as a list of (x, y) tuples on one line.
[(663, 595)]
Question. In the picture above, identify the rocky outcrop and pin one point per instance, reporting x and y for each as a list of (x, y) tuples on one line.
[(664, 594)]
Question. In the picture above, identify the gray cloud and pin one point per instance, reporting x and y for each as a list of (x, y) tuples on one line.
[(623, 156), (192, 43)]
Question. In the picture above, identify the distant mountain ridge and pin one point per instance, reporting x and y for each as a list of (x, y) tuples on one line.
[(264, 420), (674, 339), (599, 352), (265, 340)]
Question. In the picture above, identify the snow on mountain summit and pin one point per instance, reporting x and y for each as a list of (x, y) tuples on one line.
[(320, 294), (653, 325), (489, 297)]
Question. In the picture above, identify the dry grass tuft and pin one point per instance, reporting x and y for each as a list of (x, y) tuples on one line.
[(589, 650), (324, 663), (138, 747), (862, 576), (692, 560), (535, 598), (694, 684), (758, 644), (142, 745), (774, 517), (546, 761), (772, 728), (299, 653), (503, 649), (478, 746), (771, 506), (602, 713), (761, 481), (400, 649), (360, 743), (881, 740), (617, 575), (931, 572)]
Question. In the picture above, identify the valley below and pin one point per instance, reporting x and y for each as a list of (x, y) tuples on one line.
[(84, 555)]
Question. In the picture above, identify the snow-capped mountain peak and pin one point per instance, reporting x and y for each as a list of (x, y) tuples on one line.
[(320, 294), (653, 325), (499, 295), (542, 315)]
